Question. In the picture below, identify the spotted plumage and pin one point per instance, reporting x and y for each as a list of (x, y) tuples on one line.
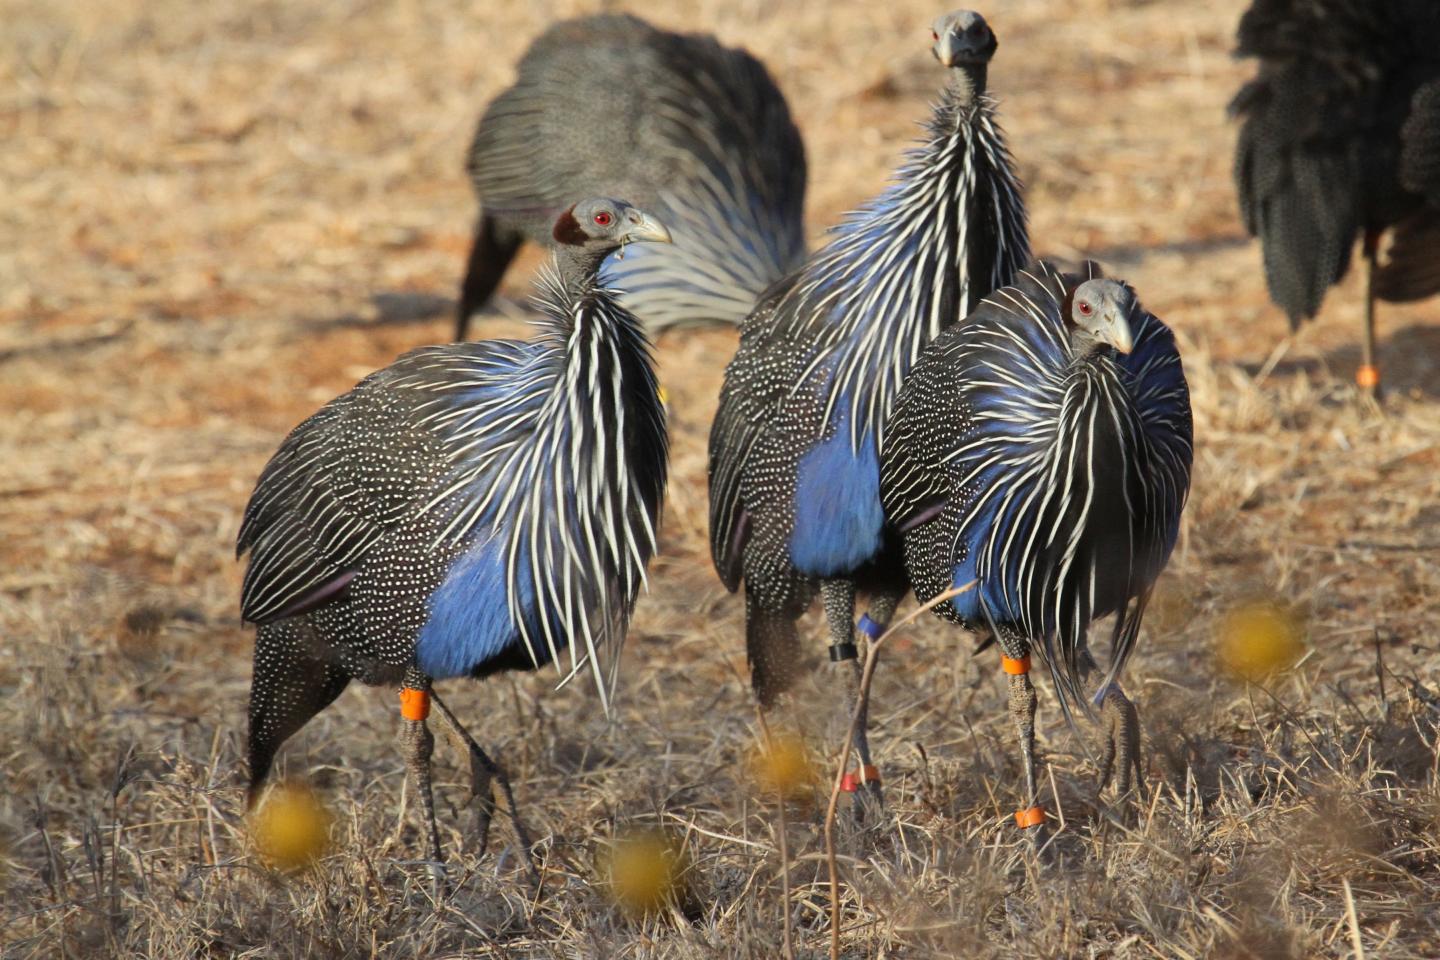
[(794, 473), (694, 131), (470, 508), (1042, 449), (1053, 477)]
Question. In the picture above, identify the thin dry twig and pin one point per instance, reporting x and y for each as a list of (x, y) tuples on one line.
[(1352, 920)]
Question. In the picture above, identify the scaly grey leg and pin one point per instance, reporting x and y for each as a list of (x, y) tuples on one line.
[(839, 599), (484, 773), (1015, 660), (1122, 734), (419, 747)]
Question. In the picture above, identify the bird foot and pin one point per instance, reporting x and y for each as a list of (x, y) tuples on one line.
[(1122, 742), (867, 805), (1037, 838), (485, 776)]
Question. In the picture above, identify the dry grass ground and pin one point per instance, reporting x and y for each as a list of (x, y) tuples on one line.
[(216, 217)]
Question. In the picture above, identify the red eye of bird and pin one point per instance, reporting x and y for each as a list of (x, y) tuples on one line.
[(1085, 309), (603, 218)]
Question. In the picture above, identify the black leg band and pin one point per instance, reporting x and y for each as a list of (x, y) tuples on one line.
[(843, 651)]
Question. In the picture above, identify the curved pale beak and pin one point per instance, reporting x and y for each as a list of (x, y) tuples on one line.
[(945, 50), (644, 227), (1117, 332)]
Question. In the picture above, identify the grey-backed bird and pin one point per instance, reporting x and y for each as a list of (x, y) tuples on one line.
[(794, 450), (1042, 450), (693, 131), (1339, 138), (471, 508)]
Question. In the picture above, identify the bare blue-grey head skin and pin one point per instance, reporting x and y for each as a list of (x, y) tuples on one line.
[(596, 227), (965, 43), (1100, 316)]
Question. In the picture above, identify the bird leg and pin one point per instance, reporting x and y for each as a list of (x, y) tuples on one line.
[(839, 600), (1368, 375), (484, 773), (419, 746), (1015, 660), (882, 610), (1122, 734)]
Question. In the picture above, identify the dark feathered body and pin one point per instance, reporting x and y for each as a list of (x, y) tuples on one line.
[(1339, 136), (1052, 478), (471, 507), (695, 132), (794, 474)]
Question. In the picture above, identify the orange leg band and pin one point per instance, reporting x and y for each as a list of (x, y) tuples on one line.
[(1031, 817), (1368, 376), (868, 774), (414, 704), (1015, 667)]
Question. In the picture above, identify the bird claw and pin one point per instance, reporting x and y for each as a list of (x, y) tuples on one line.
[(485, 774), (1122, 742)]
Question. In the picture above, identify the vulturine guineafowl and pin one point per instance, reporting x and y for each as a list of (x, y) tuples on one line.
[(1042, 449), (471, 508), (794, 450), (693, 131), (1339, 138)]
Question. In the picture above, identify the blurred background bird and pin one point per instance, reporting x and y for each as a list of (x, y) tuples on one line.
[(471, 508), (1339, 139), (794, 471), (1042, 449), (693, 131)]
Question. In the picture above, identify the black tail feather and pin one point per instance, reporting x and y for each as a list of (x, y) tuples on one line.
[(1410, 269), (288, 688), (772, 647)]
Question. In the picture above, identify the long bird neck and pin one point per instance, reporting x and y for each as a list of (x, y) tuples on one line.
[(576, 267), (968, 82), (604, 344), (950, 230)]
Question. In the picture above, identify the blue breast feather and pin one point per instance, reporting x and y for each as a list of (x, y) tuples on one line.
[(838, 516), (1156, 381), (470, 615)]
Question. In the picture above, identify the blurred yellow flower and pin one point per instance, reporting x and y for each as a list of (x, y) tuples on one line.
[(783, 768), (1259, 638), (645, 871), (292, 827)]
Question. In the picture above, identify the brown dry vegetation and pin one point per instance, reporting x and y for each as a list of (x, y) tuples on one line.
[(216, 217)]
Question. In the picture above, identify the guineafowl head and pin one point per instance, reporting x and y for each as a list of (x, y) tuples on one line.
[(1099, 316), (963, 39), (593, 228)]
